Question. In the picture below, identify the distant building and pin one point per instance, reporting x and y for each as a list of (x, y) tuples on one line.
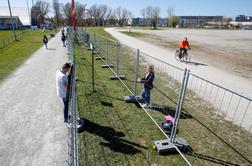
[(5, 22), (197, 21), (243, 18), (20, 17), (145, 22)]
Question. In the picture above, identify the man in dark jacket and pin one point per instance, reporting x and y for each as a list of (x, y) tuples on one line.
[(147, 80), (63, 39), (45, 41)]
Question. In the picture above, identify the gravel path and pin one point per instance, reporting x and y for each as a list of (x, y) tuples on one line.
[(32, 131), (216, 75), (236, 106)]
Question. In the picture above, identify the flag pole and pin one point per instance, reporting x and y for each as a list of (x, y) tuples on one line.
[(73, 16), (13, 28)]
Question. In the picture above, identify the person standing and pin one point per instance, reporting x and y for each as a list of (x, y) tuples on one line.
[(63, 39), (147, 80), (62, 87), (45, 41)]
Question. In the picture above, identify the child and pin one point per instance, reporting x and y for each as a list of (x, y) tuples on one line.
[(45, 41), (148, 85)]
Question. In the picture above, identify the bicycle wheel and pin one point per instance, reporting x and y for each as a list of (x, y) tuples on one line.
[(177, 54), (187, 58)]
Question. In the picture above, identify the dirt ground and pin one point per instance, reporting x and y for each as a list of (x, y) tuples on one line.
[(223, 49)]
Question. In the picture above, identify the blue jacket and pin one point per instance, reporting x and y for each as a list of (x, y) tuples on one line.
[(148, 81)]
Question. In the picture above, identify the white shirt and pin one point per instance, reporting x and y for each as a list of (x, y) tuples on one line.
[(61, 80)]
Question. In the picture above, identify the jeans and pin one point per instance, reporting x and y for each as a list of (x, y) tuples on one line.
[(146, 95), (65, 110), (45, 45)]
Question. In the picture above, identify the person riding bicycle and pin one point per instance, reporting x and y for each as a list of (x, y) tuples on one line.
[(182, 47)]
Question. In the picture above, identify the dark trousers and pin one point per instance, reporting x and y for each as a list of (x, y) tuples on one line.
[(65, 110), (182, 52)]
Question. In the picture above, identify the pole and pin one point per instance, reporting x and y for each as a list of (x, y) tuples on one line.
[(73, 16), (13, 28), (117, 58), (28, 12), (180, 104), (136, 71), (92, 48)]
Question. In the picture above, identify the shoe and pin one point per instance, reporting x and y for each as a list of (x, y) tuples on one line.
[(144, 105), (66, 121), (150, 105)]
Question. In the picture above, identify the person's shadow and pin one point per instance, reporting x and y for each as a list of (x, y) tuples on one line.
[(112, 137)]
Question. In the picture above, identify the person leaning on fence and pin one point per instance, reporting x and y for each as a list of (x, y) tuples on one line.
[(147, 80), (45, 41), (62, 87)]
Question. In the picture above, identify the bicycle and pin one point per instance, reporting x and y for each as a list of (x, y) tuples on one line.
[(182, 57)]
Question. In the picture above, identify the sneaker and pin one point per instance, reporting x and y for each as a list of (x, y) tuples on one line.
[(145, 106), (66, 121), (150, 105)]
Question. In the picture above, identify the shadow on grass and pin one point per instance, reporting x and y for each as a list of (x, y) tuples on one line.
[(112, 138), (167, 110), (190, 152)]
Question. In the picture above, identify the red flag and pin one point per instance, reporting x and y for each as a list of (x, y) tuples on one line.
[(73, 16)]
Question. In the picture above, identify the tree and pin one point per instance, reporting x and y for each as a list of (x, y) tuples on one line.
[(174, 21), (170, 12), (79, 13), (57, 13), (122, 16), (101, 13), (152, 14), (68, 13), (39, 12)]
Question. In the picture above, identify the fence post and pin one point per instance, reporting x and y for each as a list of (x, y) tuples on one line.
[(107, 49), (117, 58), (180, 104), (136, 72)]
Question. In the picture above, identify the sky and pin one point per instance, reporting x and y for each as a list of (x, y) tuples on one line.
[(229, 8)]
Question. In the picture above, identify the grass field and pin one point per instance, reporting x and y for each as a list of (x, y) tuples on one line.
[(17, 52), (214, 141), (133, 34)]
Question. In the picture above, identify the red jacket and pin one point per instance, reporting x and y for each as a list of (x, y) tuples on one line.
[(184, 44)]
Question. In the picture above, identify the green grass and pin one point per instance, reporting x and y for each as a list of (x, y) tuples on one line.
[(17, 52), (133, 34), (99, 31), (147, 28), (213, 139), (115, 133)]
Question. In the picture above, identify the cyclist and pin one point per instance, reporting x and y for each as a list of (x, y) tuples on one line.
[(182, 47)]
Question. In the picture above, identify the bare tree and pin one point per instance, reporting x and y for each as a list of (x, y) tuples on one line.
[(57, 12), (152, 14), (122, 16), (39, 12), (170, 12), (80, 14), (68, 13)]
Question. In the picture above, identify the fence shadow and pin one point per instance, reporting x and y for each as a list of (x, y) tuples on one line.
[(167, 110), (190, 152), (112, 138)]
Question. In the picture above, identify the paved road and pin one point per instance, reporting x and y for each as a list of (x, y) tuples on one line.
[(32, 131)]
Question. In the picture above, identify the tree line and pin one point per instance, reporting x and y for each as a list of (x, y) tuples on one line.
[(95, 15)]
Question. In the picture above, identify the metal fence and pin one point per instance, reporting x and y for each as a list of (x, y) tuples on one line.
[(72, 106), (220, 115), (8, 40)]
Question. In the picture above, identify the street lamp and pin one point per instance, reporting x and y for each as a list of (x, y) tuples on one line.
[(13, 28)]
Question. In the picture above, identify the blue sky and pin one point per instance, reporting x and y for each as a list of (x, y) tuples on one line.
[(182, 7)]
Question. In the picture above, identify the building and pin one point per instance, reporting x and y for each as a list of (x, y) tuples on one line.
[(6, 23), (162, 22), (20, 17), (198, 21), (243, 18)]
